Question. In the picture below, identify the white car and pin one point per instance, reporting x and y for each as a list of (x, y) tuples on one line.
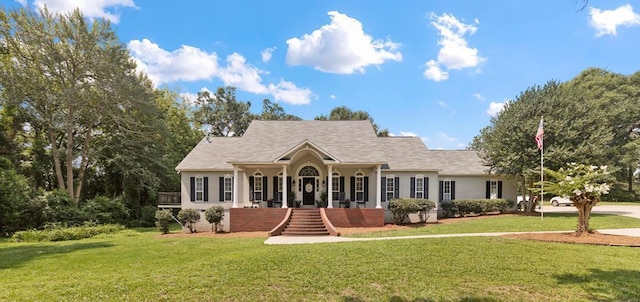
[(557, 200)]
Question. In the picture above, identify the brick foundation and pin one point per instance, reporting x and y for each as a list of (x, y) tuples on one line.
[(265, 219)]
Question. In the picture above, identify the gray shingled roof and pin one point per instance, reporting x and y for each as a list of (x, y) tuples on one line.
[(348, 141), (457, 162)]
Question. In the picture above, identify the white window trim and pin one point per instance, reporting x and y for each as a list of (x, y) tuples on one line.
[(199, 188), (335, 186), (257, 185), (446, 186), (360, 179), (390, 179), (230, 191), (419, 190), (493, 189)]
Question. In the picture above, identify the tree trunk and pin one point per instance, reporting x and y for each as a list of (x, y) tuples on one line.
[(56, 159), (630, 179), (584, 206), (69, 151), (85, 161)]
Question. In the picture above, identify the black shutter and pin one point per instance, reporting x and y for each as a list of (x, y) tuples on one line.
[(289, 186), (251, 180), (366, 188), (342, 184), (453, 190), (221, 189), (396, 188), (265, 187), (192, 184), (412, 188), (441, 191), (487, 194), (499, 189), (275, 188), (425, 188), (206, 188), (383, 189), (353, 187)]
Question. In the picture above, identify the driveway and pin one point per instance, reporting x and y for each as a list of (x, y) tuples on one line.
[(631, 211)]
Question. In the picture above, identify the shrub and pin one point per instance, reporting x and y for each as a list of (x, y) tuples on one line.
[(618, 194), (105, 210), (401, 208), (14, 199), (188, 218), (214, 216), (148, 218), (448, 209), (54, 232), (464, 207), (163, 220), (60, 208)]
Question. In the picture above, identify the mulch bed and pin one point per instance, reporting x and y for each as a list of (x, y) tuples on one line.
[(570, 237)]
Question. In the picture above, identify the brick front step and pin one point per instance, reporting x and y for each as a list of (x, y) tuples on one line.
[(305, 222)]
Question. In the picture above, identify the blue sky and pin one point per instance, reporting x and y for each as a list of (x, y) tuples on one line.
[(433, 69)]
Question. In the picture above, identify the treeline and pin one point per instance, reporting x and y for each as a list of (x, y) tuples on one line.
[(592, 119)]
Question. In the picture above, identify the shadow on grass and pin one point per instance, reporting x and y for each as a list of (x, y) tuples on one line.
[(616, 285), (15, 256), (400, 299)]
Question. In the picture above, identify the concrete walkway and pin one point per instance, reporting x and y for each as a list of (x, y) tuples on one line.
[(631, 211)]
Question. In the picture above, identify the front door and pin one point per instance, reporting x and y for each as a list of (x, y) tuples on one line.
[(308, 191)]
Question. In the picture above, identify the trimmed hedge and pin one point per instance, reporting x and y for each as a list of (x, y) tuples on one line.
[(402, 207), (62, 233), (464, 207)]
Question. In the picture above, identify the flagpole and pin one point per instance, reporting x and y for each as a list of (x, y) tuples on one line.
[(542, 174)]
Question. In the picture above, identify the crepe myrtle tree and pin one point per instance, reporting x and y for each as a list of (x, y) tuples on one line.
[(584, 184)]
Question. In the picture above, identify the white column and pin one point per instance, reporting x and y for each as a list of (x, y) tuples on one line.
[(285, 187), (235, 187), (330, 188), (378, 186)]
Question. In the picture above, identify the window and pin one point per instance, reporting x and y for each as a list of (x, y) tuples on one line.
[(359, 186), (228, 188), (199, 189), (419, 187), (335, 186), (493, 189), (280, 183), (257, 186), (391, 186), (446, 190)]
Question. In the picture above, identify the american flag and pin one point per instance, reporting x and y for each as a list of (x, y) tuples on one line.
[(540, 133)]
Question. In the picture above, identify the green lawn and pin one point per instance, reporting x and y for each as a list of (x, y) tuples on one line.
[(550, 222), (139, 267)]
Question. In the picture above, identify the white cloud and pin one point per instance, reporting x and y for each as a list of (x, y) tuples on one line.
[(187, 63), (407, 133), (454, 53), (606, 22), (191, 98), (495, 108), (190, 64), (90, 9), (478, 96), (266, 54), (333, 96), (340, 47), (22, 2), (434, 72), (442, 104), (445, 141)]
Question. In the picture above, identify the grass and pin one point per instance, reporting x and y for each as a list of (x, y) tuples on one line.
[(515, 223), (618, 203), (136, 266)]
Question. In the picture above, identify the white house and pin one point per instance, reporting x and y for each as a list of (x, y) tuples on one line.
[(276, 161)]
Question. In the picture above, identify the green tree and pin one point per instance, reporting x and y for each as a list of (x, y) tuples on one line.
[(73, 77), (343, 113), (584, 184), (189, 218), (275, 112), (225, 115)]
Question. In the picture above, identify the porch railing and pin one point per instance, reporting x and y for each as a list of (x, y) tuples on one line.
[(169, 198)]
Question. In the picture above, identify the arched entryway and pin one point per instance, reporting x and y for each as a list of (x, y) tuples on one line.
[(309, 177)]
